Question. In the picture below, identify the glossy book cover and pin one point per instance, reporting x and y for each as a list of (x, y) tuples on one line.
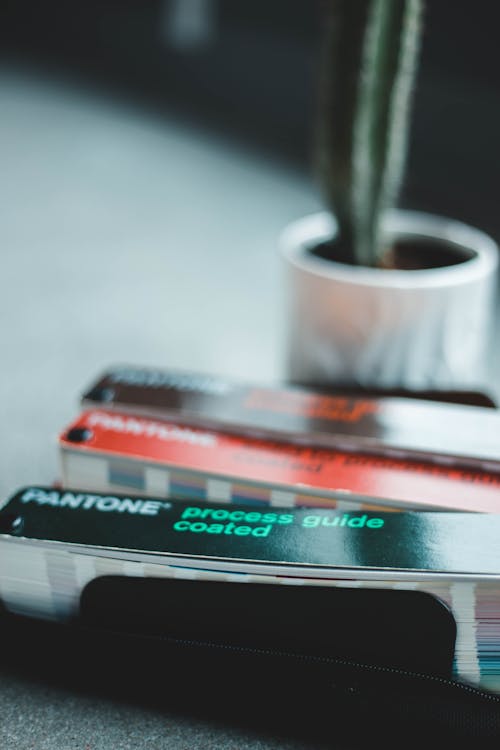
[(120, 452), (466, 435)]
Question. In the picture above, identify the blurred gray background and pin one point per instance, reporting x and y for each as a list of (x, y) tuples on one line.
[(150, 155)]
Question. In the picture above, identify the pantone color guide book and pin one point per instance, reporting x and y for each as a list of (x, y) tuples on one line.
[(53, 543), (438, 432), (115, 452)]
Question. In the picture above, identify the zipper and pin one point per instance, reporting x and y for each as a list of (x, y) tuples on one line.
[(454, 685)]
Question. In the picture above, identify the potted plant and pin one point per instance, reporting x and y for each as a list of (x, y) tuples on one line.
[(381, 297)]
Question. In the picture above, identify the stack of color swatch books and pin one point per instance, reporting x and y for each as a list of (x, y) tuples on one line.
[(174, 476), (182, 435)]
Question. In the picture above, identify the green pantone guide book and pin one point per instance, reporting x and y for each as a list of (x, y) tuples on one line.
[(54, 543)]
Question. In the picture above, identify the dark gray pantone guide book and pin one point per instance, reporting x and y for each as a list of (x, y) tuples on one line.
[(462, 435)]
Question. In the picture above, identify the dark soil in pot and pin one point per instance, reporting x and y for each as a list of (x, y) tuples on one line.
[(407, 255)]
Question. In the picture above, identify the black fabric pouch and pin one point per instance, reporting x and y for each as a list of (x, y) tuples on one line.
[(338, 668)]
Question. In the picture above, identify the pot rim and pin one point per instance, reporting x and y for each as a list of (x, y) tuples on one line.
[(301, 235)]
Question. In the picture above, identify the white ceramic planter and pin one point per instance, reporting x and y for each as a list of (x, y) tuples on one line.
[(416, 329)]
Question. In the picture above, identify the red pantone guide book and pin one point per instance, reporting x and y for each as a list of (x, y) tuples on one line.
[(113, 451)]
